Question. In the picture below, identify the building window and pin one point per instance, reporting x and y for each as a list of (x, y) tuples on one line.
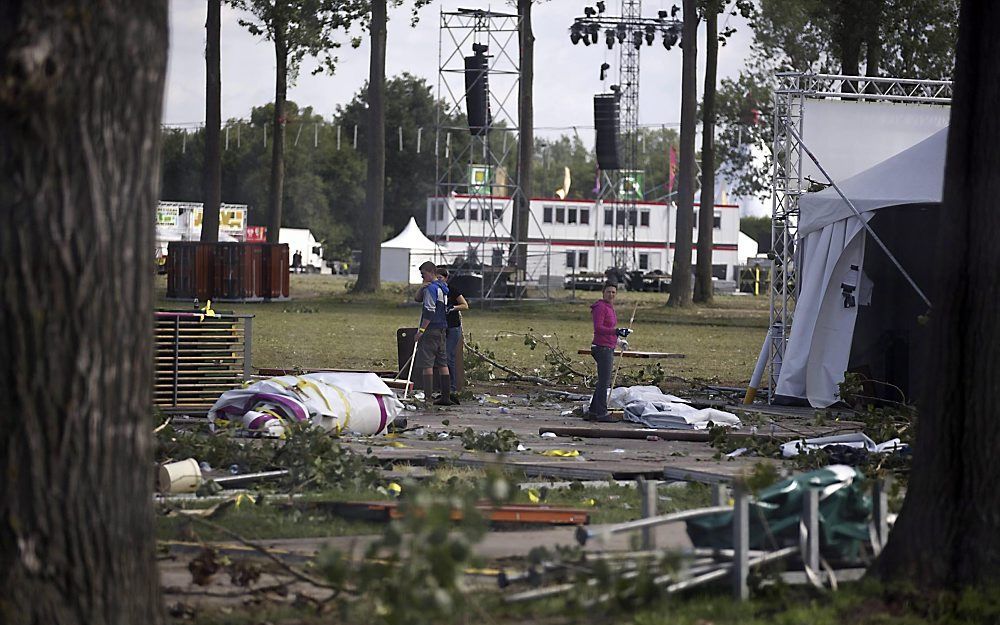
[(633, 217), (560, 215), (644, 262), (585, 215), (547, 214), (460, 213), (570, 258), (571, 216), (582, 260), (717, 220), (608, 217), (473, 214), (644, 218), (440, 209), (497, 257), (621, 217)]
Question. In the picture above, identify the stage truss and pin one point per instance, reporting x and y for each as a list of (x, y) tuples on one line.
[(790, 96)]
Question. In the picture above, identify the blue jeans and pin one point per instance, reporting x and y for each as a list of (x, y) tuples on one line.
[(605, 358), (452, 340)]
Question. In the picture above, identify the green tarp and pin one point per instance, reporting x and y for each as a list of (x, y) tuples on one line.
[(845, 509)]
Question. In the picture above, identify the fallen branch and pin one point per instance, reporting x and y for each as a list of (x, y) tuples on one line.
[(297, 574), (515, 376)]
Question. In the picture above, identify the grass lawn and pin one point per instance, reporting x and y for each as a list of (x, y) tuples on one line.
[(325, 325)]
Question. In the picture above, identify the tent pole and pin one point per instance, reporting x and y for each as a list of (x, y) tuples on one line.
[(857, 213)]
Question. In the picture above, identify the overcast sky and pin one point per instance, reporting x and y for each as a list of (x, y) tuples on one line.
[(566, 76)]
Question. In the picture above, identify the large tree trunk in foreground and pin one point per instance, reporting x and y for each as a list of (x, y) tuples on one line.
[(278, 144), (371, 250), (680, 278), (526, 140), (948, 533), (212, 166), (706, 212), (81, 85)]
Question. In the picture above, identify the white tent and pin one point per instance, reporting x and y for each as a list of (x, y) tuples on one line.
[(831, 260), (402, 254)]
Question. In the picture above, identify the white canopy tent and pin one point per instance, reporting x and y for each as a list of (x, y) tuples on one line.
[(831, 265), (404, 253)]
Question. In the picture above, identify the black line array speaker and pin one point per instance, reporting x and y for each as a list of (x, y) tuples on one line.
[(477, 93), (606, 116)]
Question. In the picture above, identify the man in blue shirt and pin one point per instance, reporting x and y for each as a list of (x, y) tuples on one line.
[(431, 350)]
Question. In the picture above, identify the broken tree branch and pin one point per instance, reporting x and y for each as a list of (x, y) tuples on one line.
[(516, 376)]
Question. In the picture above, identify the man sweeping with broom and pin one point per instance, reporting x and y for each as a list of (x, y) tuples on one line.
[(602, 348)]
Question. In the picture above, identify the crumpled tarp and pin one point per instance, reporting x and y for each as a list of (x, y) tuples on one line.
[(856, 440), (652, 408), (844, 512), (344, 402)]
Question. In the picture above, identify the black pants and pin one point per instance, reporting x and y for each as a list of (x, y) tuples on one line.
[(605, 358)]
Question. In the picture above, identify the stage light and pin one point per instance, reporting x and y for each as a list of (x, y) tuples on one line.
[(589, 11), (595, 33), (637, 39), (650, 35), (574, 34), (669, 38), (615, 88), (604, 70), (601, 8), (662, 15), (480, 48), (609, 38), (620, 31)]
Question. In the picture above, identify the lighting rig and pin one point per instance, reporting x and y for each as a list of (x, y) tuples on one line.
[(629, 30)]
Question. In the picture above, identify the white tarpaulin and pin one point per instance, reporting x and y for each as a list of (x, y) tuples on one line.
[(830, 255), (649, 406), (350, 402)]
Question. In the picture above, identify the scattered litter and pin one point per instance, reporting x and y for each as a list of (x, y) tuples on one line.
[(652, 437), (410, 407), (419, 432), (504, 410), (617, 451), (548, 435), (533, 496), (442, 436), (521, 447), (566, 413), (419, 395), (857, 440), (398, 445), (736, 453), (561, 453), (204, 466)]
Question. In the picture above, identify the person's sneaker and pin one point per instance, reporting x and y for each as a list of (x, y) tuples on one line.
[(444, 401), (605, 418), (454, 399), (588, 417)]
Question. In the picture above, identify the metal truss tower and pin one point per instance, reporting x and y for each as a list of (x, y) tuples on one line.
[(630, 31), (490, 152), (790, 97)]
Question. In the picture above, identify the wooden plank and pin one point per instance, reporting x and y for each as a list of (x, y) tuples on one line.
[(634, 354), (694, 436), (511, 513)]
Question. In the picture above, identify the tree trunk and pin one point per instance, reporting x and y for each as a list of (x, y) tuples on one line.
[(873, 39), (371, 250), (850, 25), (706, 212), (81, 88), (278, 142), (526, 140), (948, 532), (212, 166), (680, 279)]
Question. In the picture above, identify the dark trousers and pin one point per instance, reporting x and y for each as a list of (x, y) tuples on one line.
[(605, 358)]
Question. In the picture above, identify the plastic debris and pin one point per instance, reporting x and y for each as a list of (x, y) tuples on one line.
[(561, 453)]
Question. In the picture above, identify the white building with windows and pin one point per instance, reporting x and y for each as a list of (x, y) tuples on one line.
[(576, 236)]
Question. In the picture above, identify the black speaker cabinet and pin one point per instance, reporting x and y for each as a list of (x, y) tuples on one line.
[(477, 93), (606, 116)]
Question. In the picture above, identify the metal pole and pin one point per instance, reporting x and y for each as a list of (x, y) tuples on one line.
[(741, 543), (810, 518), (647, 494), (880, 512), (584, 534)]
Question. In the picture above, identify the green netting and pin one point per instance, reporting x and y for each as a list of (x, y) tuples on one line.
[(844, 512)]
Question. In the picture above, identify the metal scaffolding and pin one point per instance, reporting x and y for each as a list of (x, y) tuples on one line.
[(629, 30), (790, 97), (479, 166)]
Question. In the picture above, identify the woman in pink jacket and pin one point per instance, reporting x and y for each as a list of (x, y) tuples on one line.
[(603, 350)]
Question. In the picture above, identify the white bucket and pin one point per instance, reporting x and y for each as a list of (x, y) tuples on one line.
[(180, 477)]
